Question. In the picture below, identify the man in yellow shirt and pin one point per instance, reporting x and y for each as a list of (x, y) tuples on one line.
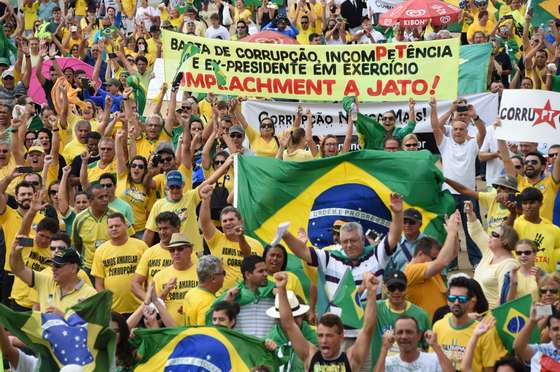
[(211, 275), (155, 133), (114, 264), (456, 328), (175, 281), (231, 245), (156, 258), (79, 143), (531, 226)]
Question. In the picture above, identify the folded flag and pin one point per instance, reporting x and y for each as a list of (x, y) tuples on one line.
[(511, 317), (348, 299), (83, 336), (200, 349)]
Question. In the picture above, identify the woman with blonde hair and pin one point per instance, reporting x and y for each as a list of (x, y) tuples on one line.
[(410, 142), (294, 143), (523, 279)]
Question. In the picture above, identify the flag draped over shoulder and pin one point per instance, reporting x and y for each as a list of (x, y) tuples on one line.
[(473, 68), (352, 187), (511, 317), (544, 11), (206, 348), (348, 299), (83, 336)]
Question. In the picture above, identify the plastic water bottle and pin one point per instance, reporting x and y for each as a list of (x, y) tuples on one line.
[(354, 111)]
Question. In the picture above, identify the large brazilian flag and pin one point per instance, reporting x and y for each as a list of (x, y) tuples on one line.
[(352, 187), (83, 336), (200, 349)]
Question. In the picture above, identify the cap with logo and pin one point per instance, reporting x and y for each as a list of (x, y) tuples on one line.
[(395, 277), (68, 256), (175, 178)]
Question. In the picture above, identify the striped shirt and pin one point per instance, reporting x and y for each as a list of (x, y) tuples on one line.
[(334, 268), (252, 319)]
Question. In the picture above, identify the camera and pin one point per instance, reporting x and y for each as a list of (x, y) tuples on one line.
[(156, 160)]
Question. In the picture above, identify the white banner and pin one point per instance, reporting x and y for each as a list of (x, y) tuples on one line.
[(530, 115), (330, 118), (381, 6)]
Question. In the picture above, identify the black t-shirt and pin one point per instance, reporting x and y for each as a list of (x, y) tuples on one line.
[(341, 363), (77, 164), (47, 87)]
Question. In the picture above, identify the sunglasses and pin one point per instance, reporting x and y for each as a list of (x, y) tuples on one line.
[(495, 235), (263, 126), (549, 290), (106, 185), (409, 222), (523, 253), (396, 287), (553, 155), (177, 249), (384, 118), (166, 159), (53, 192), (134, 165), (219, 162), (462, 299), (35, 183), (235, 135), (407, 145), (531, 162)]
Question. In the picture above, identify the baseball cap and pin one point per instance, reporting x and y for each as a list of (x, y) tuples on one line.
[(35, 149), (175, 178), (179, 240), (412, 214), (337, 224), (8, 72), (68, 256), (395, 277), (506, 181), (237, 129)]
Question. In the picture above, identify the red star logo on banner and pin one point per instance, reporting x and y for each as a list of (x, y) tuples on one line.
[(546, 115)]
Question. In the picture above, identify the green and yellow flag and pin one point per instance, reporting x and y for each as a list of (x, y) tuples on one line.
[(474, 59), (544, 11), (201, 349), (352, 187), (83, 336), (348, 299), (219, 74), (511, 317)]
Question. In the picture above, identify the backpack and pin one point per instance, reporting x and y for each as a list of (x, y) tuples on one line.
[(218, 200)]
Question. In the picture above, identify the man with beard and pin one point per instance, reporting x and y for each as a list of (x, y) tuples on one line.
[(455, 329)]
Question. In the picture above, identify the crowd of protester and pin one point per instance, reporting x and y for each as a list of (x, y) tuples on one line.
[(139, 201)]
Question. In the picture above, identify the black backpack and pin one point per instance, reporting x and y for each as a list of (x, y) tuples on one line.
[(218, 201)]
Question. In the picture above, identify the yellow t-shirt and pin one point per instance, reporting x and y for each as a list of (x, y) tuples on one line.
[(6, 171), (73, 119), (72, 149), (49, 293), (94, 171), (81, 8), (454, 341), (186, 210), (303, 35), (259, 145), (30, 14), (547, 237), (477, 27), (527, 285), (34, 297), (229, 252), (136, 196), (161, 180), (186, 280), (429, 294), (244, 15), (153, 261), (549, 189), (293, 285), (10, 221), (496, 214), (195, 306), (146, 147), (205, 109), (227, 179), (298, 155), (37, 259), (116, 265)]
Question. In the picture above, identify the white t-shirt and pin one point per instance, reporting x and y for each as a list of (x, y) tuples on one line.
[(426, 362), (459, 161), (377, 37), (144, 14), (26, 363), (494, 167), (217, 33)]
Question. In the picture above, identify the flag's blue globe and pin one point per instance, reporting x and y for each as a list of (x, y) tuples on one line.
[(199, 353)]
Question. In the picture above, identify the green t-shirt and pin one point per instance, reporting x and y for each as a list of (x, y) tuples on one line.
[(372, 133), (385, 321)]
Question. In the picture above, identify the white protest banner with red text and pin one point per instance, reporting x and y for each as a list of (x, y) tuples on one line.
[(530, 115)]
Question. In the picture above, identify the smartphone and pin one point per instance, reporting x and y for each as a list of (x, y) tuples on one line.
[(371, 234), (513, 198), (177, 81), (112, 55), (24, 169), (25, 242), (544, 310)]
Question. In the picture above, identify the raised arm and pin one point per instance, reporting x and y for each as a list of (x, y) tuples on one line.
[(205, 219), (480, 126), (521, 342), (17, 265), (309, 133), (445, 363), (120, 152), (450, 247), (348, 135), (84, 169), (63, 198), (434, 121), (396, 227), (34, 207), (298, 247), (303, 348), (462, 189)]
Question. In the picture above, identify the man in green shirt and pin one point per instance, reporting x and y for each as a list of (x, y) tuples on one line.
[(371, 132)]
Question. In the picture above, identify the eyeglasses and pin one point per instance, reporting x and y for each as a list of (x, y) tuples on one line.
[(409, 222), (177, 249), (396, 287), (553, 155), (264, 126), (495, 235), (531, 162), (35, 183), (106, 185), (221, 273), (549, 290), (462, 299), (235, 135), (135, 165), (407, 145), (523, 253)]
